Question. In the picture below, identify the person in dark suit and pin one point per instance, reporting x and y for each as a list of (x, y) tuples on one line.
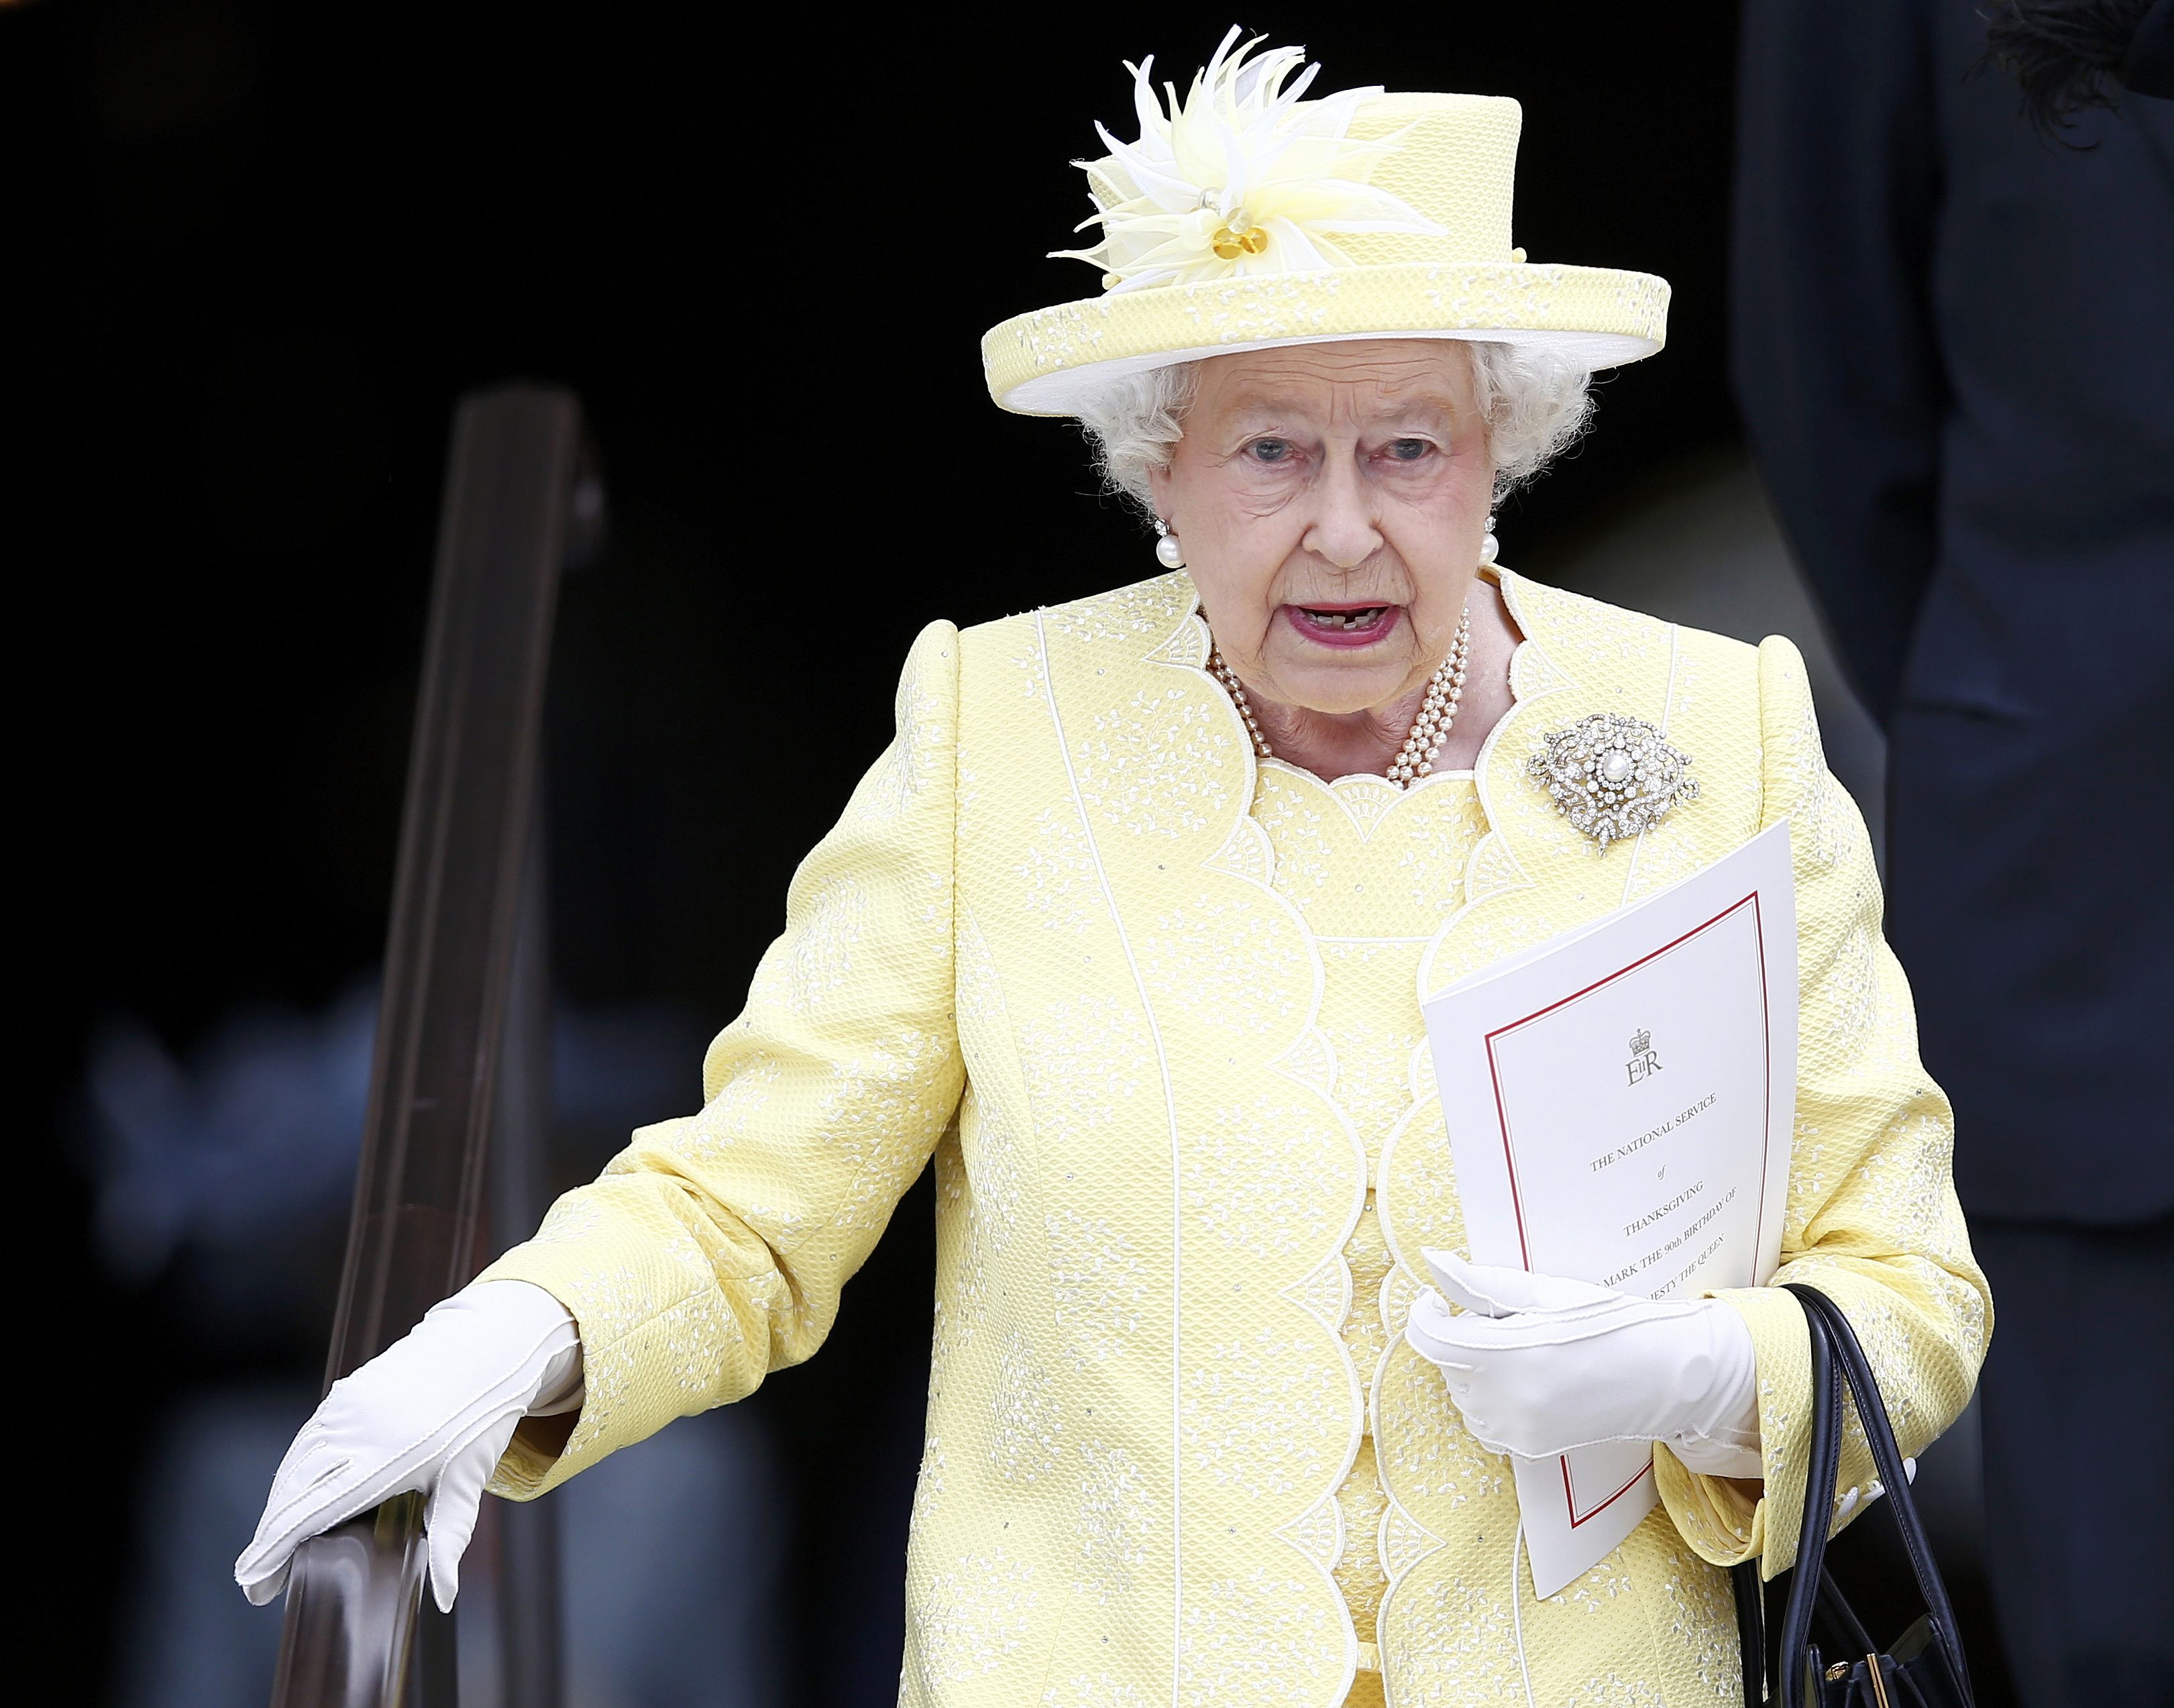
[(1953, 350)]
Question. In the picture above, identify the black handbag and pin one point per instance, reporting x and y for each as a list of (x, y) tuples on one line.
[(1921, 1668)]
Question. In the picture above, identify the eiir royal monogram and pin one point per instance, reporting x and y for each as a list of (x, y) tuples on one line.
[(1644, 1063)]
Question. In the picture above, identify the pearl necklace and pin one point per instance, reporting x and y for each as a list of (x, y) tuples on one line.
[(1430, 730)]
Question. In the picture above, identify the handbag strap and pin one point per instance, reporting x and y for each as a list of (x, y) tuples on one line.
[(1822, 1469), (1838, 1361), (1750, 1593)]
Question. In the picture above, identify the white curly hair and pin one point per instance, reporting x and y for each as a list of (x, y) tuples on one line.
[(1536, 402)]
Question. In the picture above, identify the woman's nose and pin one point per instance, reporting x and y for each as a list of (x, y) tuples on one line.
[(1344, 532)]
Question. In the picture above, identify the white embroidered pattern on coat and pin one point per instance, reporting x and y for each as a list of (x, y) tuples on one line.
[(1114, 1521), (1158, 767), (1225, 965), (729, 1117), (1249, 1640), (1260, 1175), (1456, 1642), (1083, 1058), (1702, 1625), (1057, 882), (820, 963), (1237, 1423), (971, 1617), (1025, 1416), (909, 1078), (1091, 1690), (699, 1333), (923, 739), (928, 1485), (1097, 1287)]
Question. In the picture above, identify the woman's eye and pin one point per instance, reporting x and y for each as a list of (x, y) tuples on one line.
[(1272, 450), (1409, 450)]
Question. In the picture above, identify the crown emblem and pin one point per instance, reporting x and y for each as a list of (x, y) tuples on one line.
[(1642, 1041)]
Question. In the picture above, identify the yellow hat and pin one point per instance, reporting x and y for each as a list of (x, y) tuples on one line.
[(1245, 217)]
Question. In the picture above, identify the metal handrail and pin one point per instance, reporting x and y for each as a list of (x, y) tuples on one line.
[(519, 1189), (516, 505)]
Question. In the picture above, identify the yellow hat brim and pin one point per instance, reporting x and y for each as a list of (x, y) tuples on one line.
[(1048, 362)]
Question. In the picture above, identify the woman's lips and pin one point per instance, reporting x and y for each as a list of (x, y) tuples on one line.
[(1345, 625)]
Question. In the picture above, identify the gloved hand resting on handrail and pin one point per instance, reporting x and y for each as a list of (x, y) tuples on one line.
[(433, 1413)]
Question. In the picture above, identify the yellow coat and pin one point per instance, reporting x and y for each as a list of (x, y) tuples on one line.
[(1046, 944)]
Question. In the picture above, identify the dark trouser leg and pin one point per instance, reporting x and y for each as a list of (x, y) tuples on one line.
[(2078, 1400)]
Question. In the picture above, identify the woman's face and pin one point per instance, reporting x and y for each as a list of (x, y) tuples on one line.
[(1330, 500)]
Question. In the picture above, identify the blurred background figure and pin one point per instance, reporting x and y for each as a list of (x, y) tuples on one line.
[(228, 1175), (1952, 354)]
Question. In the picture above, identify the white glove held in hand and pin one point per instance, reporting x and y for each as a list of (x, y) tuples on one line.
[(1539, 1366), (433, 1413)]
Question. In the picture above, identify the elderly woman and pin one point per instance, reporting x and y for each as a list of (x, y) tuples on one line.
[(1128, 931)]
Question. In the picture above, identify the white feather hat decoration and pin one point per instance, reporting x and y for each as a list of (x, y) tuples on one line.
[(1243, 176), (1247, 215)]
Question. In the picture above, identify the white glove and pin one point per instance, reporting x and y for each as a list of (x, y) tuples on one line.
[(1539, 1366), (433, 1413)]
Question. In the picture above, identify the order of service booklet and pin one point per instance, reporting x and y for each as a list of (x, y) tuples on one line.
[(1620, 1102)]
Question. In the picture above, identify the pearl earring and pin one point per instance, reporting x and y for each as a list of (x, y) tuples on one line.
[(1489, 545), (1168, 552)]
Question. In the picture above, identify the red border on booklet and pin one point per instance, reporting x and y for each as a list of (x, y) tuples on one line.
[(1509, 1156)]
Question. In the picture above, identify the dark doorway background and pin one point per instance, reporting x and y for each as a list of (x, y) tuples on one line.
[(252, 254)]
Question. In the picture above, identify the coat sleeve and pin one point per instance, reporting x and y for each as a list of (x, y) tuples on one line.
[(1872, 1219), (713, 1249)]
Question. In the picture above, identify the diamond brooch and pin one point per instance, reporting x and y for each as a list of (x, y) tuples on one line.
[(1612, 776)]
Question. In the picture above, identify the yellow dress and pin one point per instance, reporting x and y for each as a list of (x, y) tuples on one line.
[(1122, 982), (1375, 872)]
